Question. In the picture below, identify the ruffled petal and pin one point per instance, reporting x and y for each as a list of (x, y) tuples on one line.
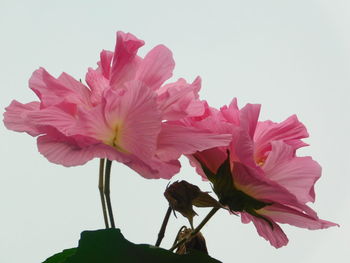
[(46, 87), (254, 184), (231, 113), (16, 117), (291, 131), (133, 115), (125, 61), (155, 168), (127, 119), (105, 62), (98, 79), (69, 151), (92, 123), (297, 174), (98, 84), (80, 91), (179, 100), (210, 121), (274, 235), (242, 148), (53, 91), (211, 158), (287, 215), (156, 67), (77, 150), (175, 140), (61, 117), (245, 121), (248, 117)]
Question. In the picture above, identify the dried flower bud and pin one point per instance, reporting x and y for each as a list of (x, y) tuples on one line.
[(183, 195)]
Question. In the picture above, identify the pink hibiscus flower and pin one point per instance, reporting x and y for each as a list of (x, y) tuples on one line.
[(122, 113), (261, 178)]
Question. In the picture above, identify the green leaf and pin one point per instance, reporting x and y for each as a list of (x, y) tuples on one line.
[(110, 246), (62, 256)]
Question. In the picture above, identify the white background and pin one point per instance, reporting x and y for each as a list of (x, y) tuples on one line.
[(290, 56)]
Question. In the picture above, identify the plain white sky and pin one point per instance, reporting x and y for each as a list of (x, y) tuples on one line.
[(290, 56)]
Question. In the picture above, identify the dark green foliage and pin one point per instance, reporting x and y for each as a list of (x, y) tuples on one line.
[(61, 257), (110, 246)]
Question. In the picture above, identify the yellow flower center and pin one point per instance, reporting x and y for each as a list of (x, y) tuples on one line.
[(115, 139)]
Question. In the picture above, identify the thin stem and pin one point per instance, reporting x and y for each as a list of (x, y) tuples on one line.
[(196, 230), (163, 227), (101, 188), (107, 192)]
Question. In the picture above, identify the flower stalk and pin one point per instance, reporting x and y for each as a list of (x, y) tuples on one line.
[(101, 190), (107, 192), (163, 227)]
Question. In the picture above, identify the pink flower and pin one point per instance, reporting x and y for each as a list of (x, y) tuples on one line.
[(262, 179), (122, 114)]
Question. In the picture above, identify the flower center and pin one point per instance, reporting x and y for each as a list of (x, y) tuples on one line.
[(260, 161), (115, 139)]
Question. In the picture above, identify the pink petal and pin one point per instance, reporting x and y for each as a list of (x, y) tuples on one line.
[(246, 118), (155, 169), (125, 62), (128, 119), (77, 150), (286, 215), (210, 121), (242, 148), (179, 100), (66, 150), (49, 91), (231, 113), (212, 158), (175, 140), (275, 235), (53, 91), (135, 116), (249, 115), (98, 84), (16, 117), (195, 108), (105, 62), (79, 90), (254, 184), (92, 123), (156, 67), (209, 112), (290, 131), (297, 174), (60, 117), (98, 80)]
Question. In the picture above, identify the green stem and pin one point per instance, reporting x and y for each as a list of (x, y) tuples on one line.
[(107, 192), (101, 189), (196, 230)]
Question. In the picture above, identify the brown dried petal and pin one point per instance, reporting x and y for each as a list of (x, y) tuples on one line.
[(197, 243)]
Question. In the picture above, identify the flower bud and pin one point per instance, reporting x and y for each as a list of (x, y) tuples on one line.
[(183, 195)]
